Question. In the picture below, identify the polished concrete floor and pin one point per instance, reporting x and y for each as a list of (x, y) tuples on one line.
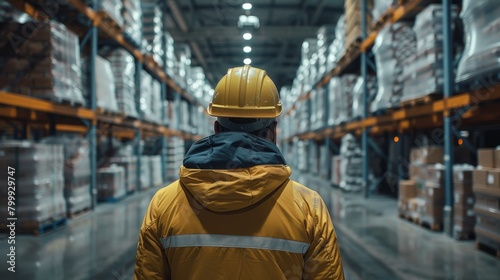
[(375, 244)]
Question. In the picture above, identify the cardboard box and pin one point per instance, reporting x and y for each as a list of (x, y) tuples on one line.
[(486, 158), (465, 189), (493, 179), (426, 155), (434, 193), (462, 176), (480, 177), (407, 189), (435, 174), (488, 220), (461, 198), (497, 158), (486, 201), (463, 211)]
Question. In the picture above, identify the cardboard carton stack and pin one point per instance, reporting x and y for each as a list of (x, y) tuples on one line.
[(486, 187), (353, 20), (464, 217), (111, 183), (427, 175)]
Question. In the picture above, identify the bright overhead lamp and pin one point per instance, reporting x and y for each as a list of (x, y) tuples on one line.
[(247, 49), (246, 6), (247, 36), (247, 61)]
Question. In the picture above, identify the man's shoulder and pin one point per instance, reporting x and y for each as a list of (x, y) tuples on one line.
[(303, 190), (167, 192)]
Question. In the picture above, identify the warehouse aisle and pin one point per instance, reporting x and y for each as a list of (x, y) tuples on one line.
[(375, 244)]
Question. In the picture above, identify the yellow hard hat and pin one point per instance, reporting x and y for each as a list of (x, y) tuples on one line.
[(245, 92)]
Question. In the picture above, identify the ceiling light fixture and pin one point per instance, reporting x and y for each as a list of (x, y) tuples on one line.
[(247, 49), (247, 36), (247, 61), (246, 6)]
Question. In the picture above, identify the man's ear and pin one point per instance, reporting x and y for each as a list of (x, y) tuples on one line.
[(217, 127)]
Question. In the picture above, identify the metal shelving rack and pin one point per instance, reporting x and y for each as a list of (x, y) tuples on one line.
[(435, 114), (29, 110)]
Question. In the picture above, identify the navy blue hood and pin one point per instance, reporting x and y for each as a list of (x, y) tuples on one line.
[(232, 150)]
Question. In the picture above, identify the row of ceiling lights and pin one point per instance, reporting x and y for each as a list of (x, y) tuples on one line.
[(247, 35)]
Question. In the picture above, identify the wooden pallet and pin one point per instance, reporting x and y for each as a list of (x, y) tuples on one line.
[(38, 228), (385, 111), (421, 100), (488, 249), (431, 226), (414, 220), (79, 213)]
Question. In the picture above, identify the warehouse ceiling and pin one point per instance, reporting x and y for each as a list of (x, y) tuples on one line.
[(210, 27)]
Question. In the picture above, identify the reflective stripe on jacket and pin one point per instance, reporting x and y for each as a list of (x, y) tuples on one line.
[(235, 214)]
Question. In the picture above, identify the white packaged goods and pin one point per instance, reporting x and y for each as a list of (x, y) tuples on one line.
[(48, 65), (423, 71), (380, 7), (340, 98), (111, 7), (183, 54), (156, 114), (152, 28), (318, 100), (309, 57), (337, 48), (39, 183), (393, 45), (105, 85), (481, 56), (175, 156), (156, 172), (123, 67), (145, 97), (110, 183), (145, 172), (76, 172), (129, 165), (325, 35), (357, 96), (351, 171), (132, 25)]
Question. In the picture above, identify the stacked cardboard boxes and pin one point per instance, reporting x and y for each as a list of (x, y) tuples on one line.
[(486, 180), (464, 217), (111, 183), (353, 20), (46, 64)]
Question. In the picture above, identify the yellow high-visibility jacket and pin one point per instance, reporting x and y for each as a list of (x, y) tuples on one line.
[(235, 214)]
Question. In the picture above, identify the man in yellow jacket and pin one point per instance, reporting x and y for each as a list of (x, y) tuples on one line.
[(235, 213)]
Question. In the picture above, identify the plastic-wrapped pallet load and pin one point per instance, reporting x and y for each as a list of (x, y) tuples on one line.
[(76, 173), (152, 28), (156, 172), (481, 56), (39, 183), (353, 20), (145, 97), (325, 35), (48, 65), (393, 45), (423, 73), (105, 85), (110, 183), (175, 156), (351, 164), (183, 54), (337, 48), (169, 54), (123, 68), (340, 92), (129, 165), (357, 96), (156, 114), (318, 117), (309, 57), (131, 14), (145, 172), (486, 188)]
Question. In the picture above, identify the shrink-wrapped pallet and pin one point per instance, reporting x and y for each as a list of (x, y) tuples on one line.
[(393, 45), (132, 24), (39, 182), (47, 66), (110, 183), (481, 55)]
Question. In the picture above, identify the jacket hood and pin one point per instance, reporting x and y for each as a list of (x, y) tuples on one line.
[(232, 170)]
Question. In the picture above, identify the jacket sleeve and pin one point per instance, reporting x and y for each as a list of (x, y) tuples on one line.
[(151, 262), (322, 259)]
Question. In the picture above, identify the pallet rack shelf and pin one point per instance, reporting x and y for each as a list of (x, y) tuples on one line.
[(92, 26)]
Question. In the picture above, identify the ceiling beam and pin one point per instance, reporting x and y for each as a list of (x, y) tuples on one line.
[(317, 13), (264, 33)]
